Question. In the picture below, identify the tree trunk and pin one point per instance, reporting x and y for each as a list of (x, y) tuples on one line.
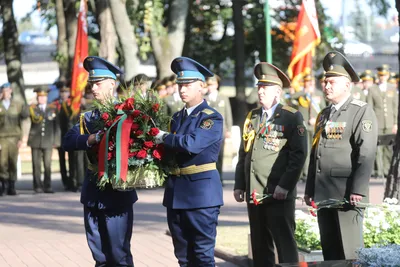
[(62, 44), (126, 37), (108, 36), (240, 82), (169, 45), (392, 189), (12, 50), (71, 19)]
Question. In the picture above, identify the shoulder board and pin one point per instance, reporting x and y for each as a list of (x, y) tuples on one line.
[(208, 111), (33, 106), (290, 109), (358, 102)]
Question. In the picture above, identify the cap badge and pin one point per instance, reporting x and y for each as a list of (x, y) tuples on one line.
[(92, 72), (90, 59), (181, 73), (331, 67)]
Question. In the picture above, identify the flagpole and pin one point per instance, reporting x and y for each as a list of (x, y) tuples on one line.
[(268, 32)]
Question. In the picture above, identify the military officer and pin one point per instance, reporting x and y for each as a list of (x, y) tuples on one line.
[(12, 112), (271, 157), (393, 79), (44, 135), (173, 101), (357, 88), (311, 102), (193, 193), (141, 84), (367, 81), (221, 104), (108, 214), (342, 159), (384, 100)]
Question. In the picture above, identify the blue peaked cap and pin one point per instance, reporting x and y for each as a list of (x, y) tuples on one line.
[(100, 69), (188, 70), (5, 85)]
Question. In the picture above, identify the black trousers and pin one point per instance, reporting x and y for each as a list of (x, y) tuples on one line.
[(341, 233), (39, 154), (272, 223)]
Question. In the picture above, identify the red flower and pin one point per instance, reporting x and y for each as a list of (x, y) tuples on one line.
[(148, 144), (154, 131), (157, 154), (254, 197), (128, 104), (141, 154), (110, 145), (313, 205), (110, 155), (135, 127), (138, 132), (105, 116), (136, 113), (313, 213), (108, 124), (132, 154), (155, 107), (118, 106), (131, 142)]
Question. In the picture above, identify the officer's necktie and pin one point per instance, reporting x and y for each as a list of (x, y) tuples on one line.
[(185, 115), (333, 111)]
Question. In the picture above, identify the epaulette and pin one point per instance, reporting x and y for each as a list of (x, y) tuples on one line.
[(82, 123), (33, 106), (290, 109), (208, 111), (358, 102)]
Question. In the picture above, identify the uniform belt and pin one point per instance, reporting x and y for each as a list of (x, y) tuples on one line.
[(193, 169)]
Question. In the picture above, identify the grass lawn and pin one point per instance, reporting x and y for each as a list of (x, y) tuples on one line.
[(233, 239)]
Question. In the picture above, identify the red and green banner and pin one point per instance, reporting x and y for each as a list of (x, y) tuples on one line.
[(79, 74), (307, 37)]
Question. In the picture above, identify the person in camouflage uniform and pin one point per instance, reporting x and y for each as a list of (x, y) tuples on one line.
[(310, 102), (222, 104), (44, 135), (271, 157), (383, 98), (12, 113)]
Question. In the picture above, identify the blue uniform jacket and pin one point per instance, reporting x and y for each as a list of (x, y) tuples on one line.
[(196, 141), (91, 195)]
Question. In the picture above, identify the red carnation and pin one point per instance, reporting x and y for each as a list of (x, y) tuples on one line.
[(128, 104), (155, 107), (136, 113), (157, 154), (154, 131), (135, 127), (108, 124), (105, 116), (138, 132), (145, 117), (110, 145), (110, 155), (313, 205), (141, 154), (148, 144), (131, 141), (118, 106), (132, 154)]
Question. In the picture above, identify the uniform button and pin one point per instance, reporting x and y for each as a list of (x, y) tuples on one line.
[(42, 134), (318, 157), (42, 129), (385, 109), (318, 171), (252, 160), (252, 171)]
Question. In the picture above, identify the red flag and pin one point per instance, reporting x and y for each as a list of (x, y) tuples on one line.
[(79, 74), (307, 37)]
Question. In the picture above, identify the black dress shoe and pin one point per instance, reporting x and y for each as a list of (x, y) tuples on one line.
[(48, 191), (38, 190)]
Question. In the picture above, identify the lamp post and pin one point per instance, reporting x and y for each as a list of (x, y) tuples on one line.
[(268, 32)]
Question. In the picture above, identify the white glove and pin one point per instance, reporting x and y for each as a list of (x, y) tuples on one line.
[(159, 137)]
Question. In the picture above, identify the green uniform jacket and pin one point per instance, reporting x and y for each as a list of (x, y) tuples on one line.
[(66, 118), (11, 119), (172, 106), (343, 153), (385, 105), (45, 129), (262, 168), (317, 104), (223, 106), (358, 93)]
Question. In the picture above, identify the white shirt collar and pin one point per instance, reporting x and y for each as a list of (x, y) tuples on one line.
[(270, 111), (340, 104), (190, 110), (383, 87)]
